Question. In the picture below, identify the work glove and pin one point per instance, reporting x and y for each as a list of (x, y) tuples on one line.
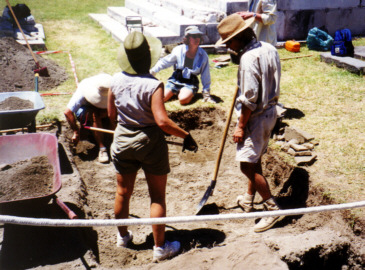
[(208, 98), (189, 144)]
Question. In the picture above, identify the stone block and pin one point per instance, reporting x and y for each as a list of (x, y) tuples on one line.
[(315, 4), (293, 24), (353, 19), (309, 146), (303, 160), (360, 52), (212, 34), (298, 147), (351, 64), (295, 133), (233, 6), (295, 153), (285, 147)]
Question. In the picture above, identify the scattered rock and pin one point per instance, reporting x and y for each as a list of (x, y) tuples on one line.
[(303, 160), (296, 143), (296, 133)]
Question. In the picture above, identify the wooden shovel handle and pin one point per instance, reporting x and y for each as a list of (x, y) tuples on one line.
[(112, 132), (229, 117), (21, 30)]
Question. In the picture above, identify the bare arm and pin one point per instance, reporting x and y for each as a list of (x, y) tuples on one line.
[(239, 130), (71, 119), (161, 117), (112, 110), (246, 15)]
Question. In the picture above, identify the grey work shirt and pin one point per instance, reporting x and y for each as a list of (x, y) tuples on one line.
[(258, 78)]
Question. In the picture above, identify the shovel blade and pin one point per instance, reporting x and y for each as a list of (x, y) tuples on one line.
[(42, 71), (207, 194)]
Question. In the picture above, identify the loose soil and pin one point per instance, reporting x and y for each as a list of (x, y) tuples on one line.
[(15, 103), (312, 241), (17, 65), (26, 179)]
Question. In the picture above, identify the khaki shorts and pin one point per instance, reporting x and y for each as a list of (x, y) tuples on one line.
[(145, 148), (256, 137)]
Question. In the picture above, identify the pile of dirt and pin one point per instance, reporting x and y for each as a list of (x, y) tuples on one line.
[(17, 65), (312, 241), (26, 179), (15, 103)]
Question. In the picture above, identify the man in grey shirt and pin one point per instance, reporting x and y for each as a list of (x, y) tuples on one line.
[(259, 87)]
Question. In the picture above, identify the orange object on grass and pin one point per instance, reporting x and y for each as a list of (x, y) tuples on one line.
[(292, 46)]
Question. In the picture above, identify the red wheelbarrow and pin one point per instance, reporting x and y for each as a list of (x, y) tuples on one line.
[(15, 148)]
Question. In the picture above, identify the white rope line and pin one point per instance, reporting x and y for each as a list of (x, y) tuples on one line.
[(172, 220)]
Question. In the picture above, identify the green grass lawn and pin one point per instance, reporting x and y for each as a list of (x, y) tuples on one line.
[(330, 99)]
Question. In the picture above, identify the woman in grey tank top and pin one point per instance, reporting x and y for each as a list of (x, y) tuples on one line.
[(135, 104)]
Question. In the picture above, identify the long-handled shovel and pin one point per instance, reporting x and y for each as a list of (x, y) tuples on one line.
[(112, 132), (214, 181), (42, 71)]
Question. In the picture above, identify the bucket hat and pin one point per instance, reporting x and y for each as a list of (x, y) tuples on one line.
[(95, 89), (138, 53), (193, 30), (231, 26)]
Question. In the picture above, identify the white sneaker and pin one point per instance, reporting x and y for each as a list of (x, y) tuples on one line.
[(123, 241), (103, 156), (167, 251), (246, 202), (267, 222)]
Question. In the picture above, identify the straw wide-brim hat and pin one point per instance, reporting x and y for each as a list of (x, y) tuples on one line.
[(231, 26), (95, 89), (136, 50)]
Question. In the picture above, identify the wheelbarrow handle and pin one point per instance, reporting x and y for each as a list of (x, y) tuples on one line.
[(65, 208)]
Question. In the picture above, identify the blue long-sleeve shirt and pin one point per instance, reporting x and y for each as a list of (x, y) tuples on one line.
[(177, 57)]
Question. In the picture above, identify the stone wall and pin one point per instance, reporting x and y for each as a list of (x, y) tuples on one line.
[(297, 17)]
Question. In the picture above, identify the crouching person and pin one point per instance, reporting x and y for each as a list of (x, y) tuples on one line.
[(89, 105), (259, 83), (135, 104)]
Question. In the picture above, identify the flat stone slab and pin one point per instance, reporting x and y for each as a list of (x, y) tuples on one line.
[(360, 52), (351, 64)]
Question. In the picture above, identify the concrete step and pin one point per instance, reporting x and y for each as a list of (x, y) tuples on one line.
[(351, 64), (150, 28), (111, 26), (120, 13), (226, 6), (193, 10), (173, 21), (360, 52), (116, 27)]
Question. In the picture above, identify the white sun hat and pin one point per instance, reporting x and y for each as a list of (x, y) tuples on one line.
[(95, 89)]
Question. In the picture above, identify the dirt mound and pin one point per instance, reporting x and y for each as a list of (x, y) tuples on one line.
[(17, 65), (26, 179), (312, 241)]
